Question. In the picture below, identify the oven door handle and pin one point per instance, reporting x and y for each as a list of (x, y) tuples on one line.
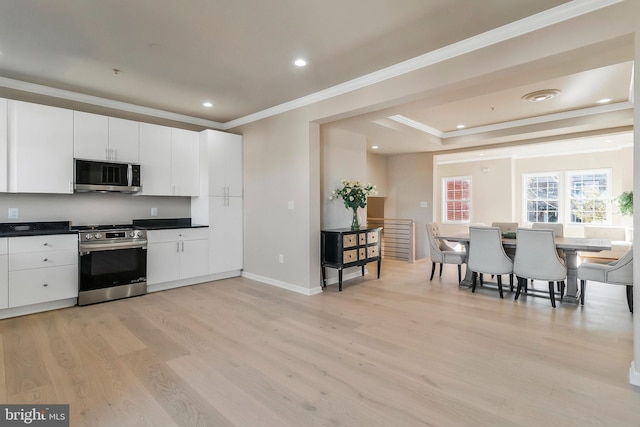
[(86, 249)]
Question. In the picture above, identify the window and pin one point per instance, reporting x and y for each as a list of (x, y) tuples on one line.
[(542, 198), (457, 199), (588, 196)]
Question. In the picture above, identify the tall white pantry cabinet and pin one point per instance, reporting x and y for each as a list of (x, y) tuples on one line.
[(220, 204)]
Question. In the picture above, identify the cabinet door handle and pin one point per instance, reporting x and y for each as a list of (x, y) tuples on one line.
[(45, 285), (45, 244), (182, 246), (177, 246), (114, 154), (46, 259), (106, 154)]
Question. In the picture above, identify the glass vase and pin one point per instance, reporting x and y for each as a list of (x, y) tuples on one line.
[(355, 221)]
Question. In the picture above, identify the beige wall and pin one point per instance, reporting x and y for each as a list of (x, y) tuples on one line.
[(343, 155), (496, 185), (410, 183), (377, 173), (620, 162)]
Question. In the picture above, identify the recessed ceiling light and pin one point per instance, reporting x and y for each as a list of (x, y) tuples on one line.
[(541, 95), (207, 104), (300, 62), (374, 147), (460, 127), (604, 100)]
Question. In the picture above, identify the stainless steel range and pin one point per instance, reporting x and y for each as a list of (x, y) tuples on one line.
[(112, 263)]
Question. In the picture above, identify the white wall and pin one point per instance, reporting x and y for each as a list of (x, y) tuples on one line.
[(377, 173)]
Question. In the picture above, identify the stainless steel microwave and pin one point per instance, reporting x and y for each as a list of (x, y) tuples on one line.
[(90, 175)]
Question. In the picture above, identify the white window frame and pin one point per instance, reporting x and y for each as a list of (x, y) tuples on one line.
[(561, 201), (445, 180), (606, 198)]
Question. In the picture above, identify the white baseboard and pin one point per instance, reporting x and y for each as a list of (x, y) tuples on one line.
[(634, 375), (284, 285), (37, 308)]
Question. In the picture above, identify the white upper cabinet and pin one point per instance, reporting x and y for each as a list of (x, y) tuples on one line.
[(155, 159), (40, 148), (185, 165), (225, 164), (169, 161), (98, 137), (3, 145)]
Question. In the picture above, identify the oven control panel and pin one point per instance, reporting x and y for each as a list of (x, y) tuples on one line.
[(111, 235)]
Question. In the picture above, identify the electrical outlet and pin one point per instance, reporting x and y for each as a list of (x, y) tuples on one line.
[(281, 259), (154, 211), (290, 204), (12, 213)]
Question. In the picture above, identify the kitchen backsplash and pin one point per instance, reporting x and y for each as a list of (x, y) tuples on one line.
[(91, 208)]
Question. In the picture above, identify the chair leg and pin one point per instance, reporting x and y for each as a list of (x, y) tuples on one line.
[(459, 273), (552, 295), (583, 286), (562, 286), (500, 286), (519, 288), (481, 279), (433, 270), (511, 282), (630, 297), (441, 264), (474, 279)]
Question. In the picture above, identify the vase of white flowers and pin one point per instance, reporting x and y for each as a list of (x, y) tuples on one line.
[(354, 195)]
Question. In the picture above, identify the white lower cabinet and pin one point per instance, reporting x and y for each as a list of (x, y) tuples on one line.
[(177, 254), (4, 274), (42, 269)]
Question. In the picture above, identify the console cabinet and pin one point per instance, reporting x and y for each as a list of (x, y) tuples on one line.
[(344, 248)]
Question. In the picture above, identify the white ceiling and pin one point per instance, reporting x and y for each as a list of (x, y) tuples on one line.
[(171, 56)]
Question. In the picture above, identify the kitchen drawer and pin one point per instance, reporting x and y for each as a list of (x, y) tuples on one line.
[(349, 256), (362, 238), (4, 246), (349, 240), (24, 261), (43, 243), (373, 252), (373, 237), (42, 285), (362, 253), (173, 235)]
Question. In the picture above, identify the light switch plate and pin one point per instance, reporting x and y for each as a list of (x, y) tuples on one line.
[(12, 213), (290, 205), (424, 204)]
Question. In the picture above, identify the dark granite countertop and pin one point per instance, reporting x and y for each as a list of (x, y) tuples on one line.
[(39, 228), (166, 223)]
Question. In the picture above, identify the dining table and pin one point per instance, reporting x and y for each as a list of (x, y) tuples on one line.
[(570, 246)]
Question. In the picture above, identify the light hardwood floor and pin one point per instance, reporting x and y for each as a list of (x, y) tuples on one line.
[(398, 351)]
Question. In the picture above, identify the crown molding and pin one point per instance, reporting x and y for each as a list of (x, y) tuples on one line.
[(572, 114), (104, 102), (521, 27)]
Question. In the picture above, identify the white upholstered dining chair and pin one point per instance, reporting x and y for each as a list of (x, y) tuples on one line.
[(487, 255), (619, 272), (557, 227), (537, 259), (441, 253)]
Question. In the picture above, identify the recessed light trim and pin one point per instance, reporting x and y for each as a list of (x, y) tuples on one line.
[(374, 147), (460, 126), (300, 62), (541, 95), (604, 100), (207, 104)]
